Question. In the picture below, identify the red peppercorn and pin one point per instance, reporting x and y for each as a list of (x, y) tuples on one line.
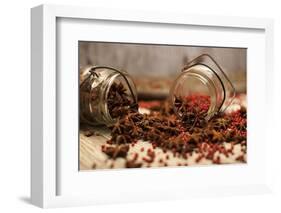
[(241, 158), (199, 158), (148, 160)]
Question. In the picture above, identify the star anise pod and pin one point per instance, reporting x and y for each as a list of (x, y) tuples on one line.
[(135, 131), (216, 136), (241, 126), (116, 128), (195, 138), (220, 123), (116, 151)]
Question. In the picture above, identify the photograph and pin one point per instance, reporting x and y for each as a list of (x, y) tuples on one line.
[(161, 105)]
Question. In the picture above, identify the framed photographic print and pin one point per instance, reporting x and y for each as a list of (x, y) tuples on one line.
[(130, 106)]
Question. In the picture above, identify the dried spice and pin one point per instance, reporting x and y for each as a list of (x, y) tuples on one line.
[(192, 110), (150, 156), (118, 101), (184, 133), (176, 134), (116, 151), (133, 163), (241, 158), (89, 133)]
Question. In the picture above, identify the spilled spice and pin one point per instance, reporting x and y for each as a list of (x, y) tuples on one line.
[(193, 110), (133, 162), (184, 132), (89, 133), (116, 151)]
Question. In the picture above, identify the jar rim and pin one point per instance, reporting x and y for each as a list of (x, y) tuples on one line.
[(212, 93), (110, 81)]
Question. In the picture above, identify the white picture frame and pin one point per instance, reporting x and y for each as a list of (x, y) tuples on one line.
[(48, 168)]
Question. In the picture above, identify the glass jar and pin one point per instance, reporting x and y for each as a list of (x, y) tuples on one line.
[(98, 90), (204, 79)]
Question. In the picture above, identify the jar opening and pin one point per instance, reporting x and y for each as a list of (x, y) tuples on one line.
[(194, 94), (118, 99), (105, 94)]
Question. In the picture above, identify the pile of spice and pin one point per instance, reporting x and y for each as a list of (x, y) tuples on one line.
[(118, 101), (192, 110), (181, 133)]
